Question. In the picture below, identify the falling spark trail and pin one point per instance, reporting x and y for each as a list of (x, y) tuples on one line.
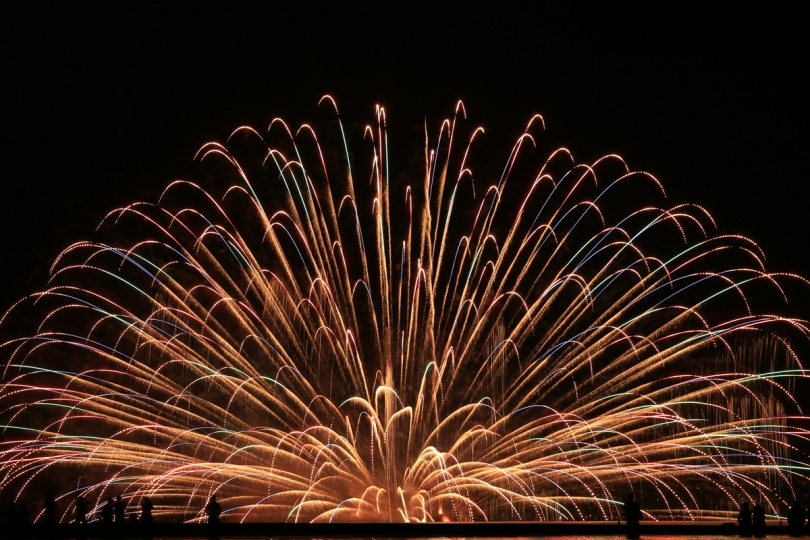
[(311, 348)]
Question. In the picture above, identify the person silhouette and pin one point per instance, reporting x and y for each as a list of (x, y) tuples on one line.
[(758, 516), (107, 512), (146, 511), (213, 509), (744, 519), (81, 511), (119, 509), (632, 515), (50, 506), (795, 520)]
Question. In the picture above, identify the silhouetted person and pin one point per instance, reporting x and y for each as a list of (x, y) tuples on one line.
[(744, 519), (119, 509), (81, 511), (213, 509), (11, 514), (758, 516), (50, 506), (107, 512), (632, 515), (795, 520), (146, 511), (133, 519)]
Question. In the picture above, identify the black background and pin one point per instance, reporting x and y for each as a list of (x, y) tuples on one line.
[(105, 104)]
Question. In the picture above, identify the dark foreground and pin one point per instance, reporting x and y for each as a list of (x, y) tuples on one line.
[(378, 530)]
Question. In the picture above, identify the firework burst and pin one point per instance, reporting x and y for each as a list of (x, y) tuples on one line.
[(311, 338)]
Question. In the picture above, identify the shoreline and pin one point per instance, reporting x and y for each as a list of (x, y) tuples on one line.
[(385, 530)]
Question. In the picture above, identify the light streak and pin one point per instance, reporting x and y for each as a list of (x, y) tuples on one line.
[(533, 357)]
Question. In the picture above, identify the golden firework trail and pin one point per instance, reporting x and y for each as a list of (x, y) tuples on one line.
[(312, 338)]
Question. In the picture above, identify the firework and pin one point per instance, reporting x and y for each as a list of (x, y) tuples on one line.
[(311, 338)]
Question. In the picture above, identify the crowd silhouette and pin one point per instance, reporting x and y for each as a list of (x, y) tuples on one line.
[(752, 522), (113, 511)]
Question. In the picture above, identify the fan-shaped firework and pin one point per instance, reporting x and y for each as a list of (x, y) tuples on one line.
[(313, 347)]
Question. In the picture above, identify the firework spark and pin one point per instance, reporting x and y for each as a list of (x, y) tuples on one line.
[(314, 347)]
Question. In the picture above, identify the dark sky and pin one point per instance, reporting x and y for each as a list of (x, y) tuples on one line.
[(106, 104)]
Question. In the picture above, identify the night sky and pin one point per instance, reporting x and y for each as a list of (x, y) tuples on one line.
[(105, 105)]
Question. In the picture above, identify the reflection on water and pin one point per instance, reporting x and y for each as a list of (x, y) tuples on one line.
[(566, 537)]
